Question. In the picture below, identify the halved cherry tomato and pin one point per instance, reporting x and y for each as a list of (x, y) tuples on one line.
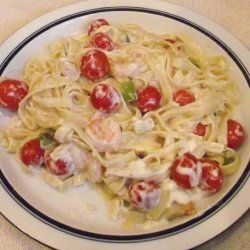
[(200, 129), (148, 99), (183, 97), (185, 171), (96, 24), (95, 65), (235, 134), (31, 153), (58, 167), (11, 93), (102, 41), (212, 175), (104, 97), (145, 194)]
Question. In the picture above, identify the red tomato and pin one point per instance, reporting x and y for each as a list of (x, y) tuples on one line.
[(96, 24), (235, 134), (145, 194), (183, 97), (104, 97), (31, 153), (185, 172), (102, 41), (95, 65), (57, 168), (149, 99), (212, 175), (200, 129), (11, 93)]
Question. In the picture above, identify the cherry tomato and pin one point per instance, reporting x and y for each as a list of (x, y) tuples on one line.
[(96, 24), (200, 129), (95, 65), (104, 97), (235, 134), (149, 99), (31, 153), (11, 93), (58, 167), (212, 175), (185, 171), (102, 41), (183, 97), (145, 194)]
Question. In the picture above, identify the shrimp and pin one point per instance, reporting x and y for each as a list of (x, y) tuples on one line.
[(104, 133)]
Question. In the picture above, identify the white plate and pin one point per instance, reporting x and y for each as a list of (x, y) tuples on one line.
[(55, 218)]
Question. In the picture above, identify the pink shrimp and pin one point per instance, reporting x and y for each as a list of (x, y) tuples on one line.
[(105, 134)]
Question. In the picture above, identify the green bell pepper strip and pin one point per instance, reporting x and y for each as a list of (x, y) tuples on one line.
[(128, 91), (46, 140)]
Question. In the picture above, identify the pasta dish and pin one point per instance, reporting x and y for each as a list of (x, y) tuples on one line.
[(147, 119)]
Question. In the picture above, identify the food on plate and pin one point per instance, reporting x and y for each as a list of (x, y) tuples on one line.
[(183, 97), (95, 65), (11, 93), (32, 153), (148, 119), (148, 99)]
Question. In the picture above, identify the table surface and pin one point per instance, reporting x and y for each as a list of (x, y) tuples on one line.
[(230, 14)]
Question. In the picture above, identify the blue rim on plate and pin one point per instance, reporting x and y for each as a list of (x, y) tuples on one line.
[(140, 237)]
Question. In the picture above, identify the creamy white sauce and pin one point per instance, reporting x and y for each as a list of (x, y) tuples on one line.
[(143, 125), (4, 119), (215, 172), (194, 173), (115, 98), (238, 132), (99, 93), (149, 198), (74, 157), (64, 133), (194, 145), (69, 70), (180, 195), (132, 69), (12, 94)]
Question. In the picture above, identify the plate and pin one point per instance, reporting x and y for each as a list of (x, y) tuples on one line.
[(30, 204)]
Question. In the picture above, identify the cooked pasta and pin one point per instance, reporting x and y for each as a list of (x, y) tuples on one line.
[(157, 103)]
